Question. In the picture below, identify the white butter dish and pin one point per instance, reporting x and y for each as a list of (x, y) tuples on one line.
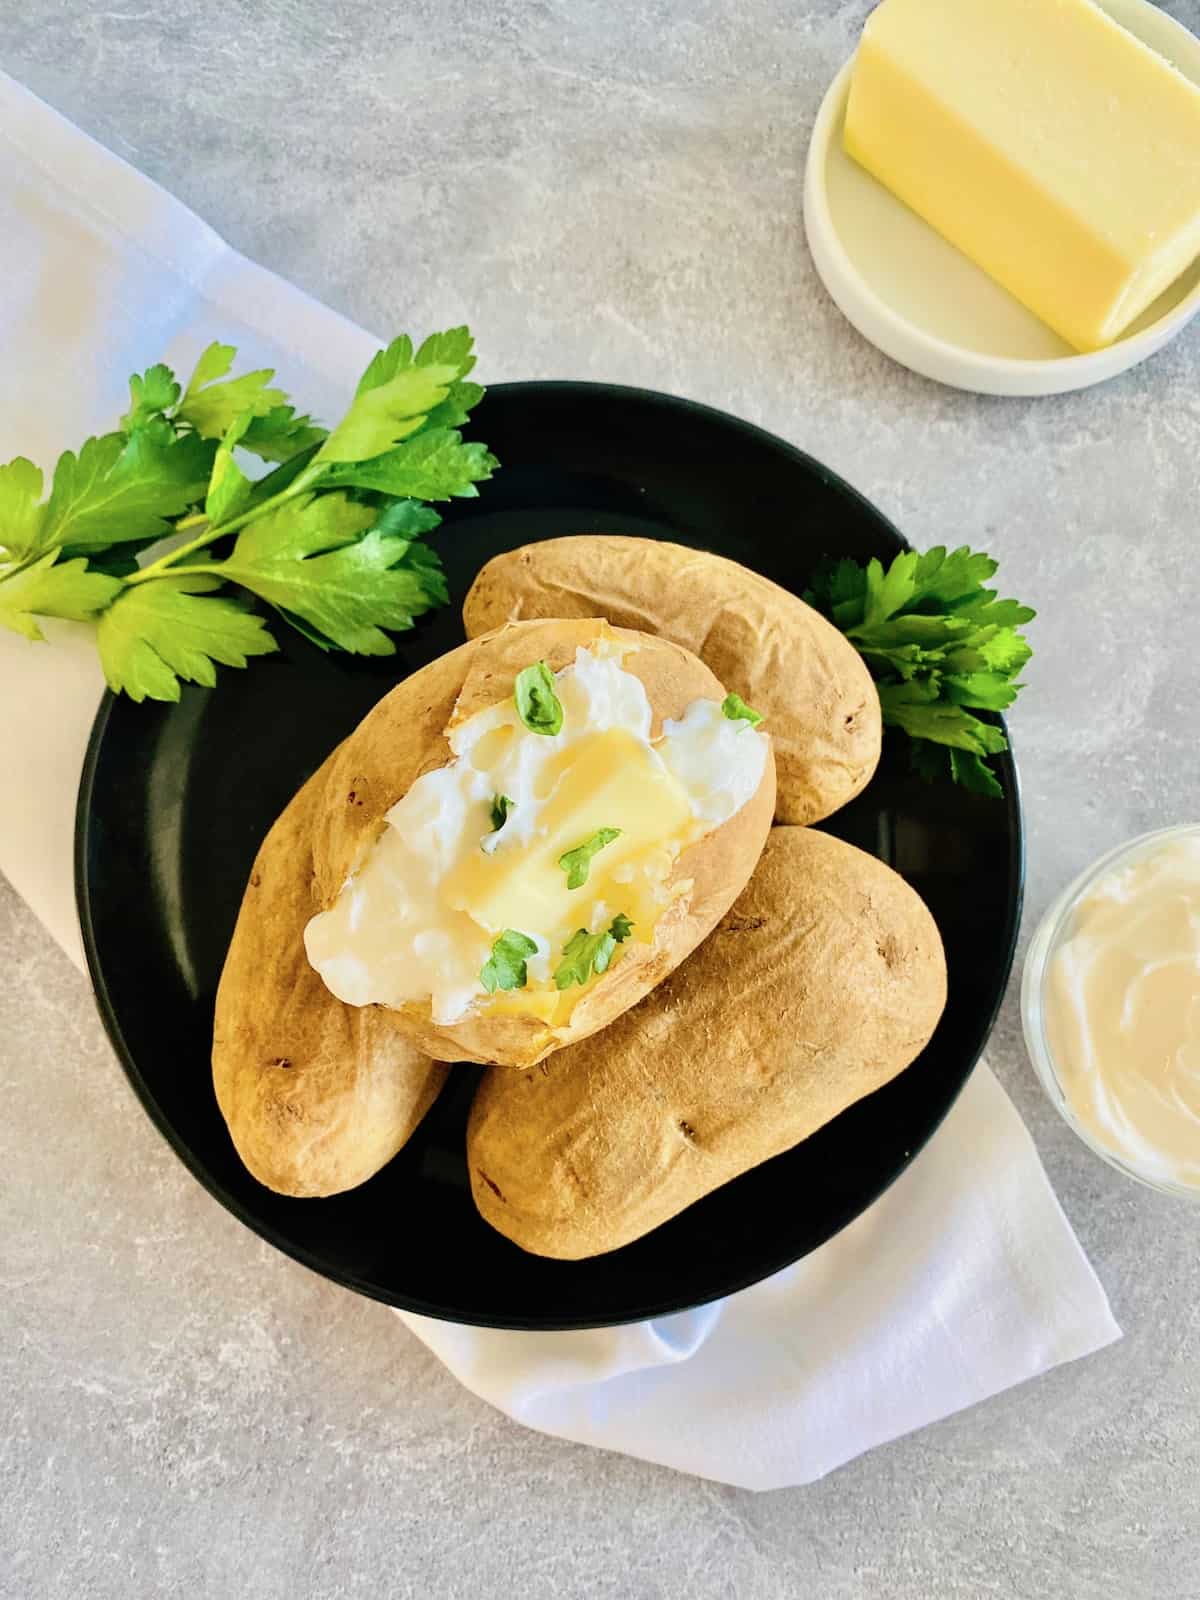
[(922, 302)]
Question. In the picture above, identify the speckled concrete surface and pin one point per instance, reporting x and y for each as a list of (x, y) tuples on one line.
[(605, 188)]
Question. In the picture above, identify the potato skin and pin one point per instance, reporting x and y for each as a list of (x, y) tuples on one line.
[(404, 736), (780, 655), (825, 980), (317, 1095)]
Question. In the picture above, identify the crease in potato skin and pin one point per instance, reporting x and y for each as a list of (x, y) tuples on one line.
[(780, 655), (825, 979)]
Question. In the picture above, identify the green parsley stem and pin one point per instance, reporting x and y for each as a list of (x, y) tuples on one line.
[(21, 564), (204, 569), (166, 565)]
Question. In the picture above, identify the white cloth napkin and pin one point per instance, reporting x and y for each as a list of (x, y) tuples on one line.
[(965, 1278)]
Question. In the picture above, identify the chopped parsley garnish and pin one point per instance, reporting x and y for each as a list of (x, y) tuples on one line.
[(586, 953), (577, 863), (538, 707), (505, 967)]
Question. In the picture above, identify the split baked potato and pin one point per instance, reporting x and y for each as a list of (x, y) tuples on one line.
[(782, 656), (417, 801), (824, 980)]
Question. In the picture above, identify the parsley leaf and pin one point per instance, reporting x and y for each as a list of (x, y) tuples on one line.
[(505, 967), (387, 412), (150, 394), (736, 709), (538, 707), (21, 511), (577, 863), (407, 519), (585, 953), (403, 392), (501, 806), (427, 564), (118, 489), (229, 489), (839, 589), (211, 406), (940, 645), (989, 691), (154, 635), (45, 590), (436, 465), (314, 559), (279, 434), (937, 762), (453, 348), (456, 408), (972, 772), (919, 709)]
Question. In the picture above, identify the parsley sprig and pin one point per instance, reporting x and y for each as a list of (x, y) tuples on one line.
[(940, 646), (331, 539)]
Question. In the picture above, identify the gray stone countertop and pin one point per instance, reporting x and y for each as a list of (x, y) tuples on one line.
[(605, 189)]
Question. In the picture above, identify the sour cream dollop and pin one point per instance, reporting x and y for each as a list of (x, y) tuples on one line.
[(1122, 1011)]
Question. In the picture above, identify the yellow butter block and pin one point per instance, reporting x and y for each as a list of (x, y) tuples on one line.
[(608, 780), (1053, 148)]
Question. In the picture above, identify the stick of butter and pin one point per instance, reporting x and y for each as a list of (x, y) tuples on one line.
[(1044, 141)]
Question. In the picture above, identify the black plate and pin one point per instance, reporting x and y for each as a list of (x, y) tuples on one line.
[(176, 799)]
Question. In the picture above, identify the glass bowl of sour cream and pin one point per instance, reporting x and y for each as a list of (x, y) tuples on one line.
[(1110, 1004)]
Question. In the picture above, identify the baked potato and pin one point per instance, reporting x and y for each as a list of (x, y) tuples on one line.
[(317, 1095), (485, 885), (783, 657), (824, 980)]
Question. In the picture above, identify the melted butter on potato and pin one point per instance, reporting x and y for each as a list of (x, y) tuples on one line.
[(604, 780), (417, 919)]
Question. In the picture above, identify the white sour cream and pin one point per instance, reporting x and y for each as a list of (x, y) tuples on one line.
[(1122, 1012)]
